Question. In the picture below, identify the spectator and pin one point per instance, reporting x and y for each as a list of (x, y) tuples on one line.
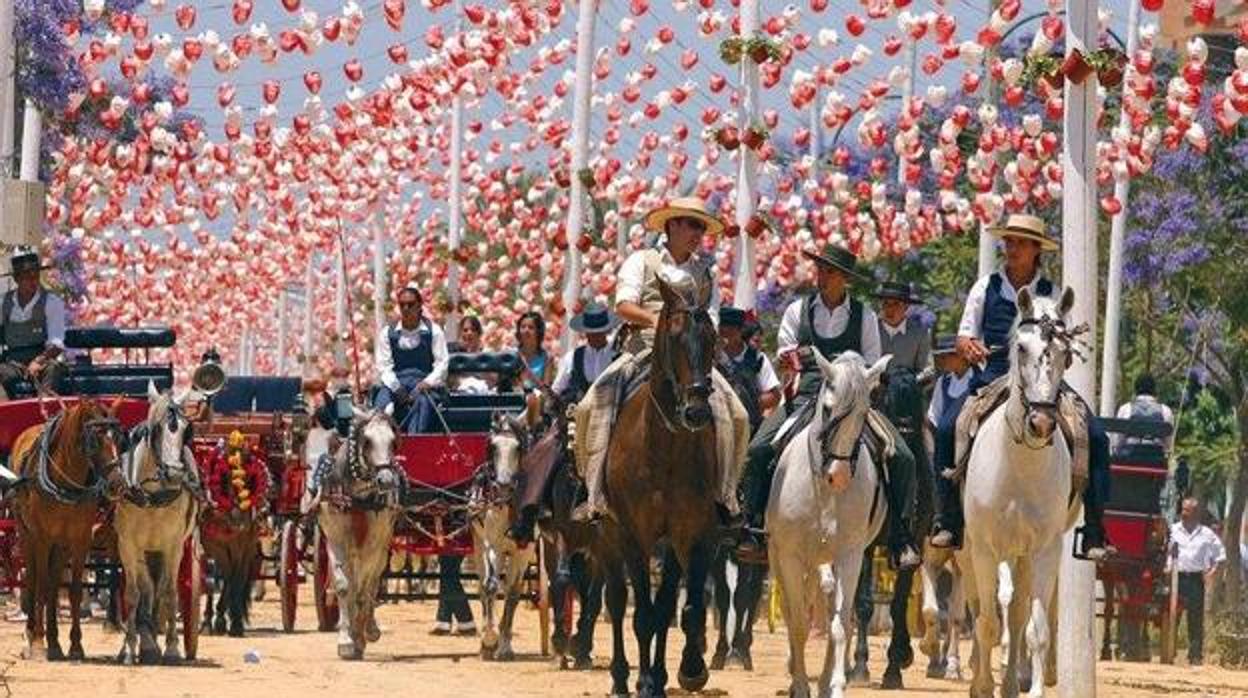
[(1197, 552), (538, 369), (470, 336)]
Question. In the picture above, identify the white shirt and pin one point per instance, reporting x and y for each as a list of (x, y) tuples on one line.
[(894, 330), (957, 387), (767, 379), (973, 312), (1199, 551), (596, 361), (410, 339), (53, 310), (632, 277), (1124, 412), (829, 323)]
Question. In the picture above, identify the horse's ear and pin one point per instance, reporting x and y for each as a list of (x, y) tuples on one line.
[(1025, 305), (1067, 302), (152, 393), (875, 372), (825, 366)]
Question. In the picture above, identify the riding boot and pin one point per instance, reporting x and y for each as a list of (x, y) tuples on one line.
[(1095, 546), (948, 523), (899, 489), (521, 531)]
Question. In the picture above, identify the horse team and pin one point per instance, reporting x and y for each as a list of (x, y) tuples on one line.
[(824, 512)]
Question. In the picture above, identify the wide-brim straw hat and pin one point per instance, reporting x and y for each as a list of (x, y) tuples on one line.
[(837, 258), (683, 207), (1021, 225)]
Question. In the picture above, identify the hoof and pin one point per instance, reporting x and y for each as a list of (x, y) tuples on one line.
[(859, 675), (583, 663), (891, 680), (692, 683), (505, 654), (55, 653), (487, 654), (935, 669), (76, 653), (149, 656), (747, 661), (907, 657), (218, 626), (349, 652), (373, 632), (172, 660), (718, 660)]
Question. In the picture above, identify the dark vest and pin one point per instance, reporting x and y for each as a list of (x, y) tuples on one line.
[(419, 358), (743, 376), (998, 322), (579, 383), (23, 341), (848, 340)]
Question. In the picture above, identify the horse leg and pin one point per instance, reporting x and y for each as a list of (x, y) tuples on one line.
[(515, 579), (590, 586), (172, 560), (643, 622), (1020, 602), (617, 604), (795, 580), (148, 605), (342, 590), (864, 609), (55, 573), (900, 654), (32, 592), (693, 674), (557, 570), (987, 626), (78, 560), (749, 592), (930, 644), (840, 592), (957, 613), (663, 610), (487, 582), (723, 600)]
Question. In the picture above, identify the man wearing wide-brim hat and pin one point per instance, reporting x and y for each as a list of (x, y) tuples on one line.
[(902, 337), (984, 339), (833, 322), (32, 326), (684, 222)]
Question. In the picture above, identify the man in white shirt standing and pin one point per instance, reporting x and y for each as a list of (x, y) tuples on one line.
[(411, 362), (1197, 552), (32, 327)]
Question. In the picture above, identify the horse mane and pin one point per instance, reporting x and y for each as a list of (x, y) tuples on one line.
[(848, 390), (67, 446)]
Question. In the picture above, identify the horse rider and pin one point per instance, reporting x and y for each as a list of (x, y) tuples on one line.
[(833, 322), (983, 339), (948, 397), (578, 369), (684, 222), (32, 327), (411, 364), (1145, 407), (748, 370), (906, 339)]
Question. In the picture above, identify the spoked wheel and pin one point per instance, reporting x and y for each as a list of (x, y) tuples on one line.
[(190, 583), (326, 600), (288, 574)]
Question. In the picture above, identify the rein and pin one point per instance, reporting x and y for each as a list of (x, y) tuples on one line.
[(1054, 333), (71, 493)]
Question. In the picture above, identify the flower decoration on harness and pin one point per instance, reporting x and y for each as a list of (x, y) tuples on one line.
[(238, 476)]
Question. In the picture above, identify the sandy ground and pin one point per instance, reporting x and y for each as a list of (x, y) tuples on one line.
[(409, 662)]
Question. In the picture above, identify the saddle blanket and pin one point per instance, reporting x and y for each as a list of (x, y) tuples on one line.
[(596, 412)]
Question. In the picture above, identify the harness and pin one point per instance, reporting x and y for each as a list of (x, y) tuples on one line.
[(170, 484), (384, 486), (1054, 334), (95, 489)]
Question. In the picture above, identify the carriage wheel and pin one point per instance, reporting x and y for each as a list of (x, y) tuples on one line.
[(190, 577), (326, 600), (288, 574)]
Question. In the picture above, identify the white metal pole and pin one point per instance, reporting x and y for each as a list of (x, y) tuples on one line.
[(1113, 281), (309, 305), (279, 362), (747, 174), (8, 87), (987, 243), (907, 91), (1076, 651), (582, 93), (340, 310), (240, 362), (32, 134), (455, 205), (379, 280)]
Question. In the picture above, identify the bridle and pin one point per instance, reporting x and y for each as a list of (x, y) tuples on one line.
[(491, 490), (695, 320), (98, 476), (827, 437), (1055, 335)]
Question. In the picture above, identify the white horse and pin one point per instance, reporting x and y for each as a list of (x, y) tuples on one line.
[(820, 518), (1016, 496), (153, 522), (497, 555), (358, 507)]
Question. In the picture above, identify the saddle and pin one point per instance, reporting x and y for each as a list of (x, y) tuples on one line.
[(538, 465), (876, 434), (1071, 419)]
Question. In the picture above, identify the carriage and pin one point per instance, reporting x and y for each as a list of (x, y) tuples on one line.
[(1135, 582)]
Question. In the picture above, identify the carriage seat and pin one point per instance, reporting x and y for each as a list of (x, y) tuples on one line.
[(258, 394), (1138, 442), (472, 413), (108, 337), (86, 378)]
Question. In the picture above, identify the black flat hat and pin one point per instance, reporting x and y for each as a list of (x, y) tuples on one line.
[(595, 318)]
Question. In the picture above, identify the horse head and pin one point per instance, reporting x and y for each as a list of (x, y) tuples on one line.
[(102, 443), (167, 430), (684, 348), (507, 442), (841, 412), (375, 436), (1040, 351)]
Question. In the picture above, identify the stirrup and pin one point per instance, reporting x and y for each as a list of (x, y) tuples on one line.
[(1099, 553), (954, 542)]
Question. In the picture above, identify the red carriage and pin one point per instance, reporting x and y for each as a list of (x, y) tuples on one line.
[(1135, 583)]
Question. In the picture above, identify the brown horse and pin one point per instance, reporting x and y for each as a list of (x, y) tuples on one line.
[(68, 465), (232, 541), (661, 484)]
